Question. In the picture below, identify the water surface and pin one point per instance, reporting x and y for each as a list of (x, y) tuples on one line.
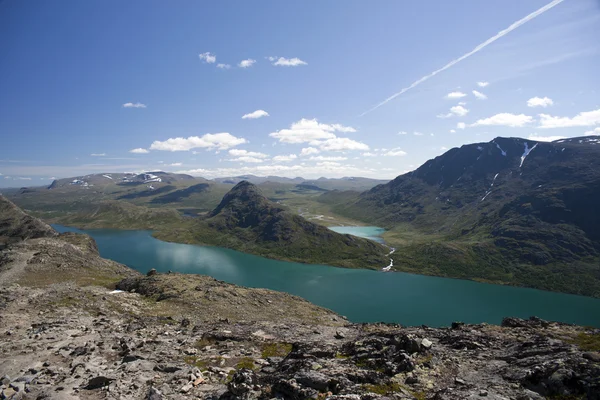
[(360, 295), (370, 232)]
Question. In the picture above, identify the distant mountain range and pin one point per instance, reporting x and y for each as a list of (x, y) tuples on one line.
[(511, 210)]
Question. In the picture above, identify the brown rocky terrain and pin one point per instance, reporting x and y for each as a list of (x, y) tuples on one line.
[(73, 325)]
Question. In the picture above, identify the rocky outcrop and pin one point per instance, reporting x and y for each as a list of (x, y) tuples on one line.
[(15, 225)]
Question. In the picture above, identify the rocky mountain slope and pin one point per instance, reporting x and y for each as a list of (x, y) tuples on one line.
[(67, 334), (15, 225), (516, 210), (246, 220)]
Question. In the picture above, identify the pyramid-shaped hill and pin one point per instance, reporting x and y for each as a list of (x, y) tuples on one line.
[(246, 220)]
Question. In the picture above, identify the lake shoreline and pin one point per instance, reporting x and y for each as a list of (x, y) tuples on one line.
[(409, 299)]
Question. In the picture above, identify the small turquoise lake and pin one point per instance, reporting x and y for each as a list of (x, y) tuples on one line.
[(360, 295)]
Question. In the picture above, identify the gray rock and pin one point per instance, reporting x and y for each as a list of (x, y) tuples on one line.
[(313, 379), (154, 394), (242, 382), (426, 344), (98, 382), (18, 386)]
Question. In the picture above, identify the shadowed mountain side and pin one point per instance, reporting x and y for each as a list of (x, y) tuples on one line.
[(511, 210)]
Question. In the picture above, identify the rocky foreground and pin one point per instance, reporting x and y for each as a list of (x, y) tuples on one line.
[(73, 325)]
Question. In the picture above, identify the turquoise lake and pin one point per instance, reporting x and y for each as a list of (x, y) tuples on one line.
[(360, 295), (369, 232)]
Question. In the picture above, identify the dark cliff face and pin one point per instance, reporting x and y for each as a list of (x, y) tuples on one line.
[(15, 225)]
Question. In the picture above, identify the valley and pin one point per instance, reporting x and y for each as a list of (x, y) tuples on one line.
[(510, 212)]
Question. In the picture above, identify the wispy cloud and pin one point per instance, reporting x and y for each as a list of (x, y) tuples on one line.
[(285, 158), (455, 95), (223, 66), (287, 62), (482, 84), (505, 119), (98, 154), (134, 105), (246, 153), (456, 111), (539, 102), (246, 63), (210, 141), (479, 95), (207, 57), (538, 138), (255, 114), (139, 150), (469, 54), (587, 118)]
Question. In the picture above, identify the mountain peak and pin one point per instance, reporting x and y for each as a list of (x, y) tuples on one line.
[(243, 199)]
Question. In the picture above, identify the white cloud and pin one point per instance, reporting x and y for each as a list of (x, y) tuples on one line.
[(207, 57), (443, 148), (479, 95), (369, 154), (539, 102), (134, 105), (458, 111), (452, 131), (287, 62), (455, 95), (308, 130), (139, 150), (397, 152), (482, 84), (246, 153), (177, 164), (98, 154), (339, 144), (325, 158), (461, 125), (505, 119), (402, 133), (223, 66), (538, 138), (308, 151), (246, 63), (587, 118), (477, 49), (595, 132), (256, 114), (417, 133), (285, 158), (247, 159), (22, 178), (219, 141)]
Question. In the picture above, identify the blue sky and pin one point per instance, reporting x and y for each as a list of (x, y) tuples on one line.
[(83, 83)]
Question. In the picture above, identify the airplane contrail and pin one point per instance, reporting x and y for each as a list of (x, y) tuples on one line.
[(469, 54)]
